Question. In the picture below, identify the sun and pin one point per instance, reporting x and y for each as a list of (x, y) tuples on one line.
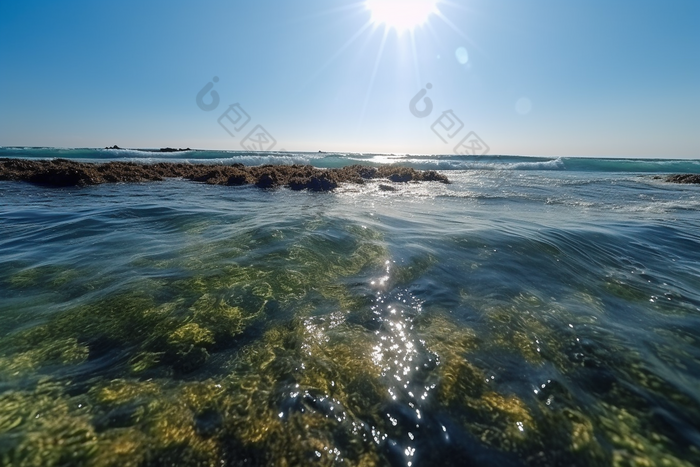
[(401, 15)]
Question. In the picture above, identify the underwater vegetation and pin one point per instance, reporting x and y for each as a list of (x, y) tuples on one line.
[(315, 348)]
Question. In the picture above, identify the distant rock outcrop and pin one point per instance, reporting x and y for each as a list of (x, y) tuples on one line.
[(63, 173), (160, 150), (174, 150)]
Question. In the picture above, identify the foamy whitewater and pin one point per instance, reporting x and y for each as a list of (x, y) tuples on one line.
[(534, 312)]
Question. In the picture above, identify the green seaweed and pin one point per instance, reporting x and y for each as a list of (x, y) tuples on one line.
[(42, 427), (260, 349), (636, 443), (626, 291), (66, 351)]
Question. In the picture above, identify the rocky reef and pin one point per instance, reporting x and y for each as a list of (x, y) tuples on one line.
[(65, 173), (684, 178)]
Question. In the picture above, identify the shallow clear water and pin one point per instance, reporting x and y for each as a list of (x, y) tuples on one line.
[(510, 318)]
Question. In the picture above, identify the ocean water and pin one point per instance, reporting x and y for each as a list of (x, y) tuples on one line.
[(534, 312)]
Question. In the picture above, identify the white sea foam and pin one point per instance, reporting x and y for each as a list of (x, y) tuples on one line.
[(556, 164)]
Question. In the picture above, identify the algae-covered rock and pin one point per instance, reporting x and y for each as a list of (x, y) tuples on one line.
[(190, 335), (501, 419), (626, 290), (43, 427), (121, 391), (65, 351), (38, 276), (292, 394), (219, 318), (63, 173), (636, 444), (145, 422), (451, 344), (144, 361), (524, 328), (187, 346)]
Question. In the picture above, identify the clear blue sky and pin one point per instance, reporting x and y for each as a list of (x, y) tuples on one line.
[(542, 77)]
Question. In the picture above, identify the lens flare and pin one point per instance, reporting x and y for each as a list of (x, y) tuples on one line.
[(401, 15)]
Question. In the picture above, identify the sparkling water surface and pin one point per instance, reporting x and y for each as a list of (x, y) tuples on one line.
[(509, 318)]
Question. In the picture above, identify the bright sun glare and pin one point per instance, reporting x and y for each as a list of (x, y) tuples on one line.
[(402, 15)]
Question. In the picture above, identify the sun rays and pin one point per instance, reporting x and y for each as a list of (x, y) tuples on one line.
[(406, 20), (401, 15)]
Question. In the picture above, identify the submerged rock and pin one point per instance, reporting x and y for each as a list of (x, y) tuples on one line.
[(66, 173)]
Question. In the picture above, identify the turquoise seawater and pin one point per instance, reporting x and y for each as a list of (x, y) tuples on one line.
[(535, 312)]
